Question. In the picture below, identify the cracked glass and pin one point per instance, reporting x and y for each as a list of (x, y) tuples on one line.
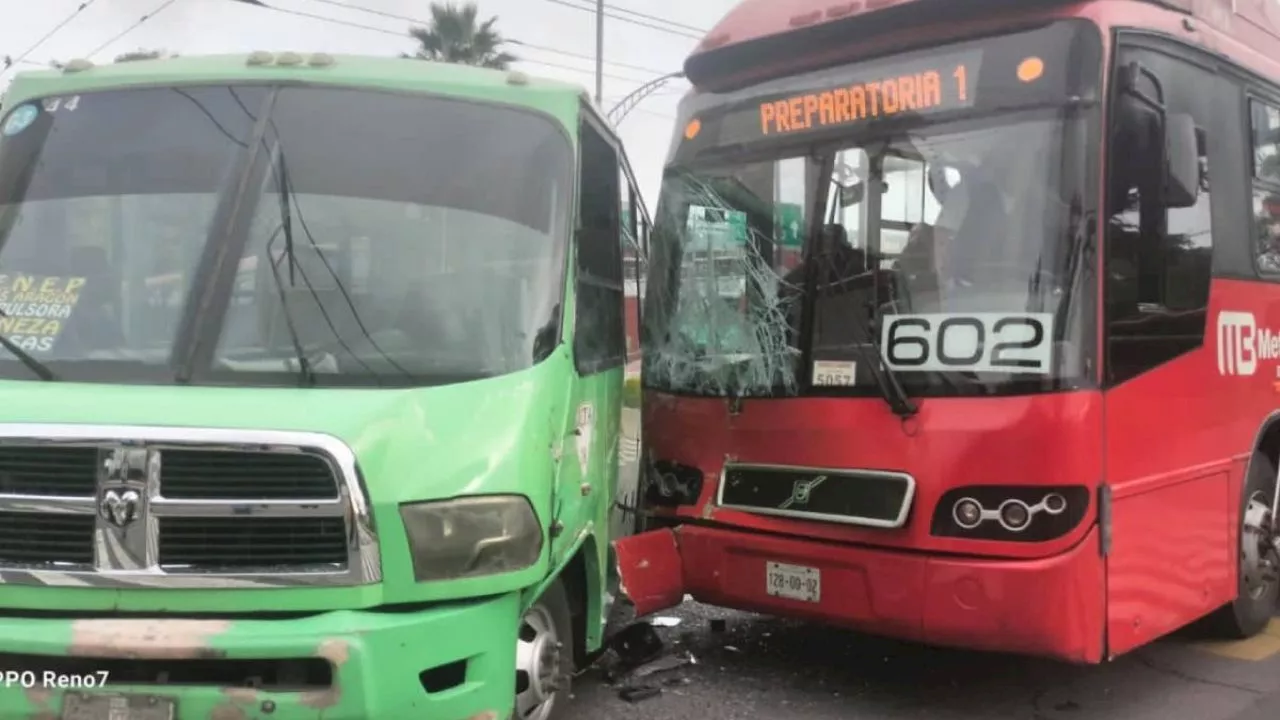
[(784, 254)]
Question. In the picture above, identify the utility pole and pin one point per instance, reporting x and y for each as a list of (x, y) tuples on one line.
[(600, 53)]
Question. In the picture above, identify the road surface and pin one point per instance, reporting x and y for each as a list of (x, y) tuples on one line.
[(756, 667)]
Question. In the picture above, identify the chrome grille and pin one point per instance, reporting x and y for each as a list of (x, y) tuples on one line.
[(221, 475), (181, 507), (41, 538), (54, 471)]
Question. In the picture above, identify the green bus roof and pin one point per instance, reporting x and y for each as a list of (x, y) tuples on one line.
[(560, 99)]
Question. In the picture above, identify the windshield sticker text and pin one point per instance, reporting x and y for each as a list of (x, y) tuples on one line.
[(969, 342), (835, 373), (53, 105), (34, 308), (584, 430)]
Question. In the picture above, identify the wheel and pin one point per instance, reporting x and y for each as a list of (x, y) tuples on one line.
[(1249, 614), (544, 657)]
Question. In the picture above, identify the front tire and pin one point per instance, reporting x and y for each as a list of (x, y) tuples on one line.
[(1252, 609), (544, 657)]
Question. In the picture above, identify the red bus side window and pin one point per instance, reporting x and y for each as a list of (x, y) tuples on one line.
[(1158, 258)]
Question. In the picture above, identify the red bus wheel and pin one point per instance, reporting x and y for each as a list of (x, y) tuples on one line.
[(1259, 586)]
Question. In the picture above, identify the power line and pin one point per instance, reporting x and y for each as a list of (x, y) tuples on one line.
[(159, 9), (10, 62), (404, 36), (658, 18), (513, 41), (639, 23), (654, 113)]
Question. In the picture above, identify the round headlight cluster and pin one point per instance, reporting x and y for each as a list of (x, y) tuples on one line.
[(1013, 515)]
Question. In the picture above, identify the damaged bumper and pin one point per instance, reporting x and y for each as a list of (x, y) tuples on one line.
[(1051, 607), (448, 663)]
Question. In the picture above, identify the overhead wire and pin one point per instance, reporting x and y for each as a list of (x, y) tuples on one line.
[(401, 34), (513, 41), (657, 18), (639, 23), (22, 57), (147, 16), (645, 111)]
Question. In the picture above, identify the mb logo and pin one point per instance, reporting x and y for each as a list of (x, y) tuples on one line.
[(1237, 343)]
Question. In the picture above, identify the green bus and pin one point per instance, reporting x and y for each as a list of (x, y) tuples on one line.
[(312, 378)]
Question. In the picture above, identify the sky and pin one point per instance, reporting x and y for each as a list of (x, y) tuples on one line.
[(553, 38)]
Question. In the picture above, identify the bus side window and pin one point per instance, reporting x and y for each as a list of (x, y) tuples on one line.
[(1159, 258), (1266, 186), (599, 336), (634, 232)]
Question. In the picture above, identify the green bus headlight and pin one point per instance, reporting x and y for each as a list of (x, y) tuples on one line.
[(471, 537)]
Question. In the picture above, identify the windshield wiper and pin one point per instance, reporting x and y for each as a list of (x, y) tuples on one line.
[(306, 374), (890, 389), (40, 369)]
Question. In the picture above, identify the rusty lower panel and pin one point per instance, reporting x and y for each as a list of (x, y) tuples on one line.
[(151, 639), (650, 570), (376, 661)]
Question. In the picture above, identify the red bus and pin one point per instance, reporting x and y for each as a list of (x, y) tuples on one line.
[(1022, 392)]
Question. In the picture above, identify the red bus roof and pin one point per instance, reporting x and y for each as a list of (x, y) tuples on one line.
[(783, 35)]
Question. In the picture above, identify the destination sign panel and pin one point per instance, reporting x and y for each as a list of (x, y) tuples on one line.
[(945, 83), (1058, 63)]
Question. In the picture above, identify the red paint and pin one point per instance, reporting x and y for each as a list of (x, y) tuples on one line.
[(1170, 445), (651, 570), (632, 309)]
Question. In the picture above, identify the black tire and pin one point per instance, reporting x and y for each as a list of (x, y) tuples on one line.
[(1251, 611), (553, 606)]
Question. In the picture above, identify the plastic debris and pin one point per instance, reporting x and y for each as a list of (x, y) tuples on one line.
[(665, 664), (639, 694), (637, 644), (666, 622)]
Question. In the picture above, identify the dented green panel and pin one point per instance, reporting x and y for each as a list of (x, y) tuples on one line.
[(375, 659), (511, 433)]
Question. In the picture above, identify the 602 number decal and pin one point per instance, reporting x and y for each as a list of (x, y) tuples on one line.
[(973, 342)]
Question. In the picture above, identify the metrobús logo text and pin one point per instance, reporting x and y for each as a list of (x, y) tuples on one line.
[(1241, 343)]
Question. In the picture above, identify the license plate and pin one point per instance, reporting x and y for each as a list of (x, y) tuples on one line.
[(794, 582), (79, 706)]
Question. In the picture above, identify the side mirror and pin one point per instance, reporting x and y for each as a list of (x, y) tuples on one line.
[(1182, 161)]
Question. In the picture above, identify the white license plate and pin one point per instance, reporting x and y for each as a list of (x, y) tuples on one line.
[(794, 582), (77, 706)]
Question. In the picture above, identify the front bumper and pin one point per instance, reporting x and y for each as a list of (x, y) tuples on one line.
[(377, 659), (1052, 607)]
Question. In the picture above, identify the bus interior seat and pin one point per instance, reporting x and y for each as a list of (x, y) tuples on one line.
[(94, 322), (316, 301)]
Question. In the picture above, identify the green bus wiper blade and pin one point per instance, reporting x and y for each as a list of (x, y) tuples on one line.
[(40, 369), (306, 374)]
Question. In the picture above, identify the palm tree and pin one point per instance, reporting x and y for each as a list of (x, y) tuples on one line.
[(455, 35)]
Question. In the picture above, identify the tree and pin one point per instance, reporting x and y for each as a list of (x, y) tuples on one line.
[(455, 35)]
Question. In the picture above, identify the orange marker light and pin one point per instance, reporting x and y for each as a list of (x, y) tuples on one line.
[(1031, 69), (692, 129)]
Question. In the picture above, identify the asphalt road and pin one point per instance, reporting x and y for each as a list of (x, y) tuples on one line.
[(758, 667), (750, 667)]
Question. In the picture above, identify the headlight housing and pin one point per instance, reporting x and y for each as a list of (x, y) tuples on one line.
[(471, 537), (1013, 513)]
